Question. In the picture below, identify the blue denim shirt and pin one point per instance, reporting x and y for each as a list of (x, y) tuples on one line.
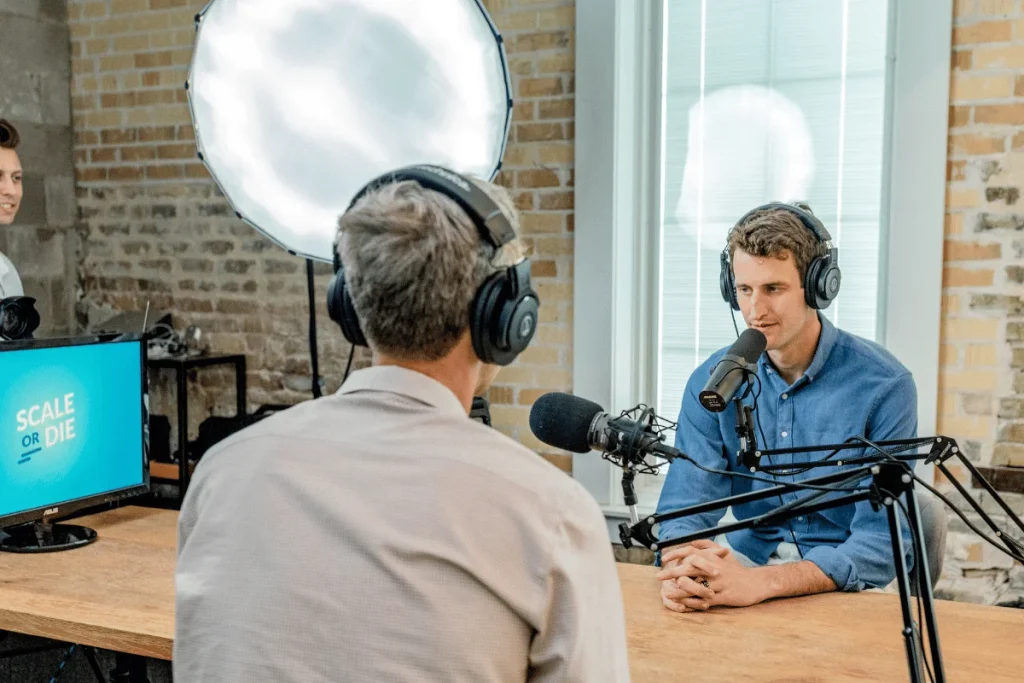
[(853, 387)]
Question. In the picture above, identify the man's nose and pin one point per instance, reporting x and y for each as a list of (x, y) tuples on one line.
[(756, 304)]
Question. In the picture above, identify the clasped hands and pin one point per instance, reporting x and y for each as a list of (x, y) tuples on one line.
[(704, 574)]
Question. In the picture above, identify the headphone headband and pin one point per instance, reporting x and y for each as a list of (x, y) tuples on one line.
[(809, 220), (504, 312), (822, 278), (488, 217)]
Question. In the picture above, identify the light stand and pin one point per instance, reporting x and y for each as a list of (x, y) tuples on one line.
[(314, 351), (889, 480)]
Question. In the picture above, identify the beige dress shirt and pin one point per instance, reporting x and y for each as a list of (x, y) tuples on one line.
[(381, 535), (10, 283)]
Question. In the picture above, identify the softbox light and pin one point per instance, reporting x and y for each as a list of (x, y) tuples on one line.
[(298, 104)]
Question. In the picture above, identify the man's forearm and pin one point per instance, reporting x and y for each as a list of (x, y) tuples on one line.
[(793, 578)]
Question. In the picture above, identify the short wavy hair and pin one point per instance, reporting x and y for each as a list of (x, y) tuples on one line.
[(9, 137), (773, 232), (413, 262)]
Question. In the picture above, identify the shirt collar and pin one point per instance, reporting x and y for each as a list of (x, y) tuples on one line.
[(397, 380), (826, 342)]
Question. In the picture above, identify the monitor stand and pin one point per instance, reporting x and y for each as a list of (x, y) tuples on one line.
[(43, 537)]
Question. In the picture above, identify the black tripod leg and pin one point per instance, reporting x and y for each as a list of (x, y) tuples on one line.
[(903, 581), (90, 656), (925, 589), (129, 669)]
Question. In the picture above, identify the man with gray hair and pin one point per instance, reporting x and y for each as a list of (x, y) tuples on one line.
[(379, 534)]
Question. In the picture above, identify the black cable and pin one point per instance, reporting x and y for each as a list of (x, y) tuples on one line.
[(63, 663), (1016, 556), (348, 366), (887, 454), (757, 418), (968, 522), (741, 475), (757, 415), (756, 394)]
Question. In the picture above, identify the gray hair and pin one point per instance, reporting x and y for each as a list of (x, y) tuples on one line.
[(413, 262)]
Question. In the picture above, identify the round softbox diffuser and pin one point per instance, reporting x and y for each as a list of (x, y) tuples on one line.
[(296, 105)]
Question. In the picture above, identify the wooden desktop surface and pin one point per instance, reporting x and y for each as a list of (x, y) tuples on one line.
[(118, 594)]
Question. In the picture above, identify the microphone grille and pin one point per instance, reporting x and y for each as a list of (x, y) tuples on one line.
[(563, 421), (750, 345)]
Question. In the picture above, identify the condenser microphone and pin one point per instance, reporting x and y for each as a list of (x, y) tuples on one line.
[(577, 425), (731, 371)]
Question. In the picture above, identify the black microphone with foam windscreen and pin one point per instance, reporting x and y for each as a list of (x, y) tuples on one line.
[(577, 425), (564, 421), (733, 370)]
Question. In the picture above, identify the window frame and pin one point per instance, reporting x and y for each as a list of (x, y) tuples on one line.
[(618, 158)]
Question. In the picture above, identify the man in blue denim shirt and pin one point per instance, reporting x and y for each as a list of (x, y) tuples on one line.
[(819, 385)]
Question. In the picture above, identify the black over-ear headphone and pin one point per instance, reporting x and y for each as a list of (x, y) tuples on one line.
[(503, 315), (822, 279)]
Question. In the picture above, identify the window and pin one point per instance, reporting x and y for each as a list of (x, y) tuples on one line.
[(766, 100), (704, 109)]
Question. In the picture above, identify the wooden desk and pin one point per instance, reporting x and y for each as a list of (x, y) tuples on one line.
[(832, 637), (115, 594), (118, 594)]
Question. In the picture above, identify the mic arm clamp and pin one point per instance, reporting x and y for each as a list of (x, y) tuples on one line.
[(747, 435)]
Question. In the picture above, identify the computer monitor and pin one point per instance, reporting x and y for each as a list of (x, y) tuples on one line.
[(73, 434)]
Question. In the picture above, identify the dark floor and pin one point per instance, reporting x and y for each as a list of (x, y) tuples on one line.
[(40, 667)]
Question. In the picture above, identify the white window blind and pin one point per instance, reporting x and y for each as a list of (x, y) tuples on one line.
[(646, 303), (765, 100)]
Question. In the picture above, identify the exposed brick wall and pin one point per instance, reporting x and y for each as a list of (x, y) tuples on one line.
[(157, 230), (981, 383), (43, 242), (538, 168)]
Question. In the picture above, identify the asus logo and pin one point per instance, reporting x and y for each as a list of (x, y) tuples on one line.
[(50, 511)]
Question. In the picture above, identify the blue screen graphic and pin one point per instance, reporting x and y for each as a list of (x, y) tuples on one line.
[(70, 423)]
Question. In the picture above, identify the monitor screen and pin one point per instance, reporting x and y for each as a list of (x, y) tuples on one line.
[(71, 423)]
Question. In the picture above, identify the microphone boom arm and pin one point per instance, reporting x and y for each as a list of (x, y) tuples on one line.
[(890, 480)]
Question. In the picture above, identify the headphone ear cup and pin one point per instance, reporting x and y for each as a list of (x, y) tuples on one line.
[(821, 285), (342, 311), (811, 283), (725, 282), (519, 326), (481, 316), (501, 327), (828, 284)]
